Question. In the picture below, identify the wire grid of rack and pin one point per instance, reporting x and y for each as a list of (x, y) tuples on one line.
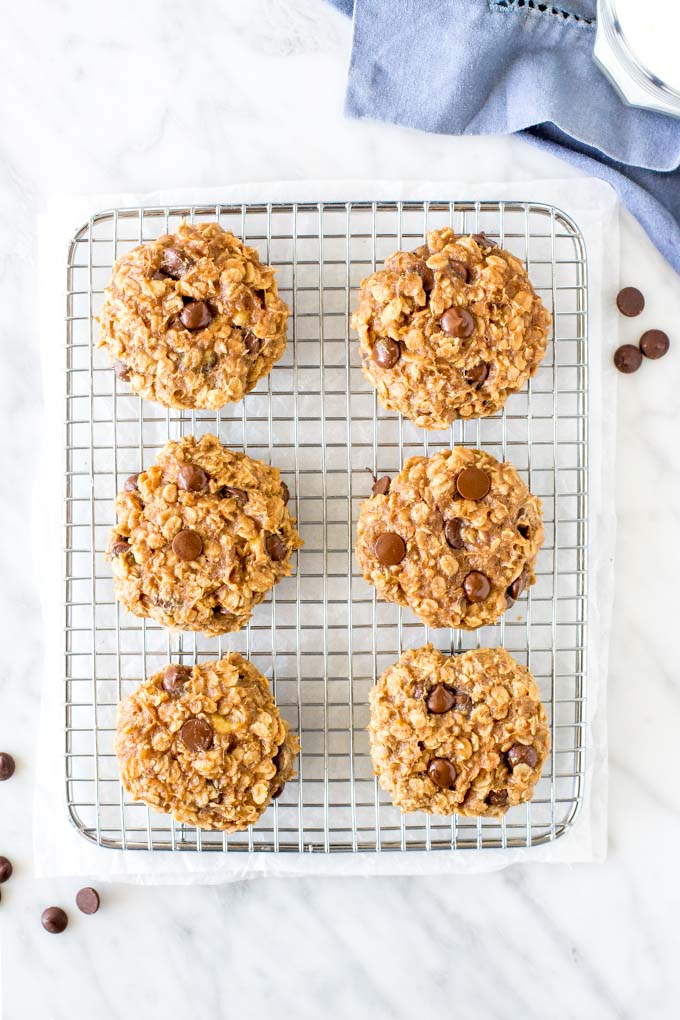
[(323, 637)]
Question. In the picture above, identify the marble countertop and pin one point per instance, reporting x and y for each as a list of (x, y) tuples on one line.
[(145, 98)]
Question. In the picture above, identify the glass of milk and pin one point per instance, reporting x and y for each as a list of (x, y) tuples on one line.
[(637, 45)]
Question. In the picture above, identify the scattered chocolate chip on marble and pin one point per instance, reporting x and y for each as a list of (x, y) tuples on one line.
[(54, 920), (654, 343), (628, 358), (5, 869), (7, 766), (630, 301), (87, 900)]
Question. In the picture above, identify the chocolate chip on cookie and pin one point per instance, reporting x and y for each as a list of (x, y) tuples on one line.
[(197, 735), (463, 703), (196, 315), (497, 798), (426, 275), (233, 492), (120, 547), (387, 352), (478, 374), (522, 754), (473, 483), (515, 589), (285, 494), (440, 699), (484, 242), (192, 478), (175, 679), (122, 370), (459, 269), (276, 549), (131, 482), (381, 486), (252, 343), (174, 264), (187, 545), (477, 586), (442, 773), (390, 549)]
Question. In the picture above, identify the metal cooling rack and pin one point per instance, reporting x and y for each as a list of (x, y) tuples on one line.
[(322, 637)]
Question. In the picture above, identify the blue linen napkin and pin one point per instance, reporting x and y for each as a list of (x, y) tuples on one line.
[(502, 66)]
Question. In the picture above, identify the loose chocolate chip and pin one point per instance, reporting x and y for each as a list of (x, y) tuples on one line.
[(381, 486), (654, 343), (440, 699), (173, 264), (192, 478), (478, 374), (425, 274), (387, 352), (515, 589), (522, 754), (276, 549), (477, 586), (463, 703), (459, 269), (7, 766), (120, 547), (231, 492), (390, 549), (630, 301), (442, 773), (54, 920), (87, 900), (458, 322), (483, 241), (524, 530), (252, 342), (627, 358), (187, 545), (5, 869), (131, 482), (197, 735), (497, 798), (196, 315), (285, 493), (452, 533), (121, 370), (175, 679), (473, 483)]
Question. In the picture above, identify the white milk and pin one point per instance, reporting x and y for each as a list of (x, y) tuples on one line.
[(652, 32)]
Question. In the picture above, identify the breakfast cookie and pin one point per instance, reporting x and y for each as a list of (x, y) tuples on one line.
[(449, 330), (205, 744), (201, 537), (462, 733), (454, 536), (193, 319)]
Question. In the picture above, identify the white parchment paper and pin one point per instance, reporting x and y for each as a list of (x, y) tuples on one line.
[(58, 848)]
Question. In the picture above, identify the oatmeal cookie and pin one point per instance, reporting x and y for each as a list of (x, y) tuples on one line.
[(454, 536), (201, 537), (205, 744), (449, 330), (462, 733), (193, 319)]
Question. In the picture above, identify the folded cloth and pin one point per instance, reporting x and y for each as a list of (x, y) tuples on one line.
[(502, 66)]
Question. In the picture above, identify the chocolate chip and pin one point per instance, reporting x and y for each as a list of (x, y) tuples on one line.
[(497, 798), (122, 370), (173, 264), (630, 301), (381, 486), (524, 530), (197, 735), (175, 678), (515, 589), (159, 275), (627, 358), (463, 703), (654, 343), (281, 758), (425, 274), (231, 492), (452, 533), (252, 343), (477, 586), (484, 242), (458, 322), (387, 352), (54, 920), (223, 611), (131, 482), (276, 793), (5, 869), (285, 493), (7, 766), (87, 900), (196, 315), (442, 773), (473, 483), (192, 478), (390, 549), (187, 545), (120, 547), (459, 269), (440, 699), (522, 754), (478, 374), (276, 549), (418, 690)]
